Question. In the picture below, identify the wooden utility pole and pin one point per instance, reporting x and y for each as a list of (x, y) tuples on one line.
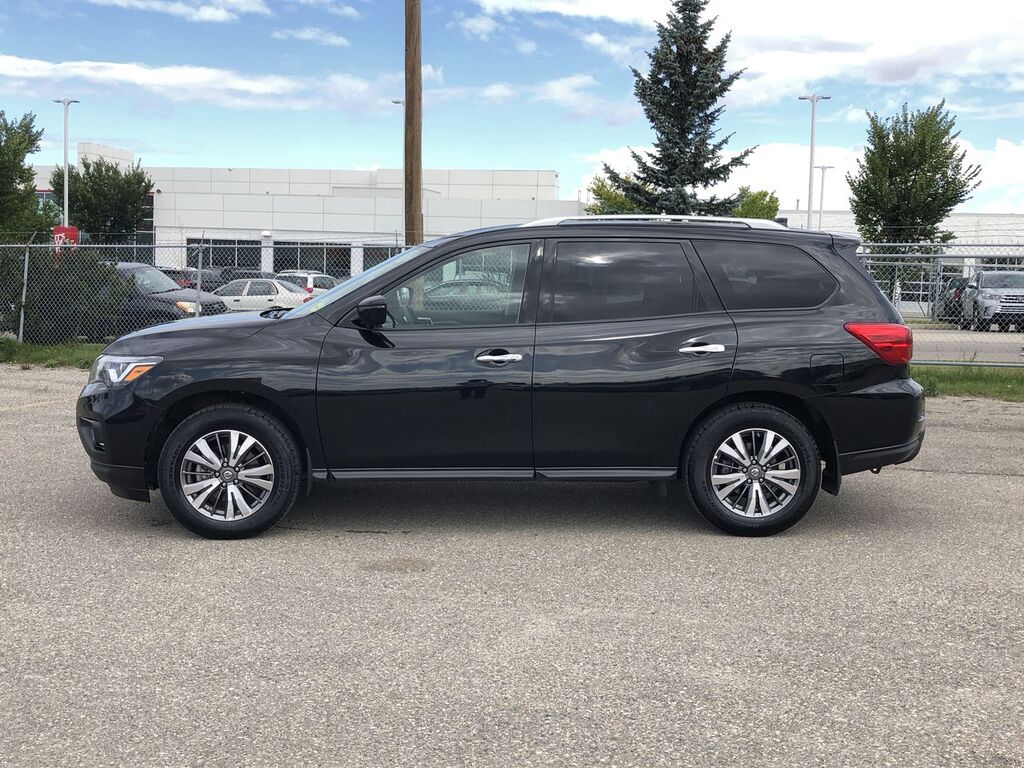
[(413, 126)]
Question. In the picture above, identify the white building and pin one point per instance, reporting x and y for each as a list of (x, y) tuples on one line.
[(280, 217)]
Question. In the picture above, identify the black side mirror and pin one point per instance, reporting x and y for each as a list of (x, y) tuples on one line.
[(973, 287), (372, 311)]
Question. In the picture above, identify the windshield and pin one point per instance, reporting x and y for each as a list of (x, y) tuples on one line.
[(358, 281), (152, 280), (1003, 280)]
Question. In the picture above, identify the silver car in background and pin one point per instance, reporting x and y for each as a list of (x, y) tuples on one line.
[(994, 297)]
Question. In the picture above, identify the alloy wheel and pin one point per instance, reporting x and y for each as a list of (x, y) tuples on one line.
[(755, 473), (227, 475)]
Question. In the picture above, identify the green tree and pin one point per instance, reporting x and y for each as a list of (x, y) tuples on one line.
[(20, 211), (682, 98), (607, 199), (756, 204), (912, 175), (104, 198)]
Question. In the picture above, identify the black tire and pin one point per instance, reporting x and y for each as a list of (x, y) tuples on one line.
[(717, 428), (279, 443)]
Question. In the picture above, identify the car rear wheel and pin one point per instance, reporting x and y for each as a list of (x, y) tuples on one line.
[(752, 469), (230, 471)]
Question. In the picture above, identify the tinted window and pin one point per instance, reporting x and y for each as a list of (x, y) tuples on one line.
[(619, 281), (261, 288), (321, 281), (763, 276), (290, 286), (152, 280), (426, 300), (233, 288)]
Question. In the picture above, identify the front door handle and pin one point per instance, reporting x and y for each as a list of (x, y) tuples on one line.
[(701, 348), (504, 358)]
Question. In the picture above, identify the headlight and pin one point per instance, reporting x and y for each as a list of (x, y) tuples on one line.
[(114, 369), (989, 296), (188, 307)]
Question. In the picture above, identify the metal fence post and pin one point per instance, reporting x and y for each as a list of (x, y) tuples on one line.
[(24, 296)]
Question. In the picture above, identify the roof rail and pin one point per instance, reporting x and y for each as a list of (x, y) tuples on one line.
[(724, 221)]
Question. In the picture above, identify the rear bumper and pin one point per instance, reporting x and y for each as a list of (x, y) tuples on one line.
[(860, 461)]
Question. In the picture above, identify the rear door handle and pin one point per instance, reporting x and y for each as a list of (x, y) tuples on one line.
[(700, 348), (499, 359)]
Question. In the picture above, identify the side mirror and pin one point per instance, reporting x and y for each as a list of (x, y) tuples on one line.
[(372, 311), (972, 287)]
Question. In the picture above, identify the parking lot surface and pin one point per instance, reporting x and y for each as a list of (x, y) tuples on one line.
[(513, 624)]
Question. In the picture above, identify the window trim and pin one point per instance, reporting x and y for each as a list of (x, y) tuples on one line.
[(545, 310), (528, 309), (828, 299)]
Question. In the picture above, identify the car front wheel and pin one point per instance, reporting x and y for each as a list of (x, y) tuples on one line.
[(752, 469), (230, 471)]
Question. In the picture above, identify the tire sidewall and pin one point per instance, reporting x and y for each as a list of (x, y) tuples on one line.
[(697, 470), (268, 431)]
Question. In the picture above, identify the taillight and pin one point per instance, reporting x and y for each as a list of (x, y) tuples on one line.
[(182, 282), (892, 342), (956, 293), (308, 289), (306, 299)]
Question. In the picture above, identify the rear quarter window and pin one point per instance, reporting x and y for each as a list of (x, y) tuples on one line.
[(764, 275)]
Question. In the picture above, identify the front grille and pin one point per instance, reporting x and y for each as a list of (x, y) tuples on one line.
[(1012, 302)]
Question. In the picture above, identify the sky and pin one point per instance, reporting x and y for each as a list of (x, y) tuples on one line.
[(533, 84)]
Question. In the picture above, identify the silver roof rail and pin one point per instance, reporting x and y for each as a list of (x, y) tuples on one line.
[(725, 221)]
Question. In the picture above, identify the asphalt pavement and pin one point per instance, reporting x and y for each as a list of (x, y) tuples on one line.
[(513, 624)]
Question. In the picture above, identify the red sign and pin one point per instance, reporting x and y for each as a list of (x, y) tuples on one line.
[(65, 235)]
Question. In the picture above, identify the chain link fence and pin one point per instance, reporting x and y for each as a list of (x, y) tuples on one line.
[(965, 301)]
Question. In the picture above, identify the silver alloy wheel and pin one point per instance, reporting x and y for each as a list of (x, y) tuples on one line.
[(755, 472), (226, 475)]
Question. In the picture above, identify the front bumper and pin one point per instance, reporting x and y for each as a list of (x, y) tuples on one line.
[(113, 426)]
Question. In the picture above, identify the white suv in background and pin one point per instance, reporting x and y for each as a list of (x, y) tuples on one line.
[(314, 282)]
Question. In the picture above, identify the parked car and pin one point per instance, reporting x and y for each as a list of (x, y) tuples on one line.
[(313, 282), (261, 295), (753, 363), (146, 297), (466, 293), (187, 277), (994, 297), (950, 305), (227, 274)]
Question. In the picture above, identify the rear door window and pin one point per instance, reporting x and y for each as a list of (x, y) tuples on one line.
[(619, 280), (261, 288), (764, 275)]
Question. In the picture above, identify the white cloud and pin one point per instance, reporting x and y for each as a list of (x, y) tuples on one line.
[(331, 6), (575, 94), (624, 50), (479, 26), (525, 46), (498, 92), (945, 47), (430, 73), (193, 10), (311, 35), (224, 87)]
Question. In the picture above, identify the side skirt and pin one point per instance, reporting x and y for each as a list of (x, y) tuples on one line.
[(497, 473)]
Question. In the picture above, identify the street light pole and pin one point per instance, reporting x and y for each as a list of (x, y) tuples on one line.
[(413, 126), (814, 99), (821, 203), (67, 103)]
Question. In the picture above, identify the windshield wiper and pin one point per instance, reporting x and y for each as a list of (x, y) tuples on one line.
[(274, 314)]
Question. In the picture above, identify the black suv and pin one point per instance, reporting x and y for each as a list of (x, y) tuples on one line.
[(752, 362)]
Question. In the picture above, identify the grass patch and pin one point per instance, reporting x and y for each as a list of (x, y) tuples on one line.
[(969, 381), (49, 356)]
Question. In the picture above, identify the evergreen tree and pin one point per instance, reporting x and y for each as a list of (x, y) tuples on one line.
[(681, 96), (912, 175), (20, 213)]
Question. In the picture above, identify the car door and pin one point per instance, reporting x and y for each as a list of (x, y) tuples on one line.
[(259, 296), (435, 393), (232, 294), (631, 345)]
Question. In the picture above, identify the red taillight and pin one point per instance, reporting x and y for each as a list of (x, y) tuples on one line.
[(306, 299), (956, 293), (892, 342), (182, 282), (308, 289)]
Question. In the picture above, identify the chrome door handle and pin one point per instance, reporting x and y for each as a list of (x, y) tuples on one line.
[(511, 357), (702, 348)]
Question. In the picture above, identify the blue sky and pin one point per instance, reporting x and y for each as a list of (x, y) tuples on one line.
[(508, 83)]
